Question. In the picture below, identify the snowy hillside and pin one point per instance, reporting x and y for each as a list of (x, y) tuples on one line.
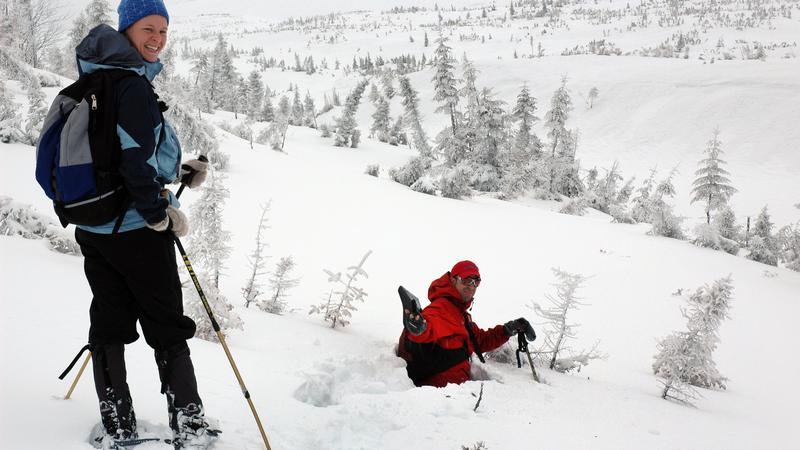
[(321, 388)]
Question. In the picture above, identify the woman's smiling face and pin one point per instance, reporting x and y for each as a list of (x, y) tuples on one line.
[(148, 36)]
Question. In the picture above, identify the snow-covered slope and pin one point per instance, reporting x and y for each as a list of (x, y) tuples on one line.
[(321, 388)]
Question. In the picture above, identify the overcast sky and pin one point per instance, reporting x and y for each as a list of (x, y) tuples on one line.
[(277, 9)]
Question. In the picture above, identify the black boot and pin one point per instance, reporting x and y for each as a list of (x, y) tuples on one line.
[(110, 381), (178, 382)]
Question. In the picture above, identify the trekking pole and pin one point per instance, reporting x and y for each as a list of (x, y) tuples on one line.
[(523, 348), (80, 372), (220, 336)]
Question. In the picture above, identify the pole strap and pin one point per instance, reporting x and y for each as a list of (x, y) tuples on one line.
[(75, 360), (472, 338)]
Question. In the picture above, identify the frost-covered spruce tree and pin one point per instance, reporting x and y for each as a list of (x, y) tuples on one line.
[(559, 329), (413, 118), (642, 202), (789, 244), (346, 132), (491, 141), (340, 304), (195, 133), (444, 82), (563, 143), (296, 118), (37, 111), (387, 80), (309, 112), (280, 283), (208, 249), (256, 261), (255, 94), (381, 122), (10, 124), (712, 185), (267, 110), (763, 245), (685, 358), (665, 222)]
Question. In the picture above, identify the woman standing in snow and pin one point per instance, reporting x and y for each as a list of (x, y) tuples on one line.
[(132, 272)]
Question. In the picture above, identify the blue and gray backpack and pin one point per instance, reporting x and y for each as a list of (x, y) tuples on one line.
[(78, 154)]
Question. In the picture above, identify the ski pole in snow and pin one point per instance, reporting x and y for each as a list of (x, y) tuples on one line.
[(523, 348), (217, 330), (80, 372)]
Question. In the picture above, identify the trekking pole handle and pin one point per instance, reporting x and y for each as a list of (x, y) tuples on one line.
[(190, 175)]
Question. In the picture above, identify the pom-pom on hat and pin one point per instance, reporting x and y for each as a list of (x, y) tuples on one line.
[(465, 269), (131, 11)]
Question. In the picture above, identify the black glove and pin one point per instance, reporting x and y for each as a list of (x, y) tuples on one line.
[(520, 326), (412, 312)]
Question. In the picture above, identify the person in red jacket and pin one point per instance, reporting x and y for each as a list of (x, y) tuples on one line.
[(438, 343)]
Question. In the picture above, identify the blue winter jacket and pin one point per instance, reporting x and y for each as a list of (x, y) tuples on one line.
[(146, 164)]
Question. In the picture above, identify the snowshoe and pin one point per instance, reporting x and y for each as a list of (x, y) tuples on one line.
[(412, 308)]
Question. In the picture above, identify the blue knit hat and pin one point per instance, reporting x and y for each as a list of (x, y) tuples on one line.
[(131, 11)]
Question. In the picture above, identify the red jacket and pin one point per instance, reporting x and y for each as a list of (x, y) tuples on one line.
[(445, 317)]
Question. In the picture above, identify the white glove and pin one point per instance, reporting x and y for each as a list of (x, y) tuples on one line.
[(175, 221), (193, 173)]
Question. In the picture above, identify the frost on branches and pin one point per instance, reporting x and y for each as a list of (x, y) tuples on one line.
[(559, 329), (684, 358), (208, 250), (339, 305), (17, 219), (256, 261), (280, 283)]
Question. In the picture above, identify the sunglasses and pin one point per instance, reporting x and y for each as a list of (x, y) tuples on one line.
[(471, 281)]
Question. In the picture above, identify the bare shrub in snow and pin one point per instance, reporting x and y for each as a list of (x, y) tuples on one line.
[(426, 185), (256, 261), (684, 358), (412, 171), (373, 170), (340, 304), (555, 347), (789, 243), (574, 206), (455, 183)]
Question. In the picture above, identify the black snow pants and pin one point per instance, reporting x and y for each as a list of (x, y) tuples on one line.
[(134, 277)]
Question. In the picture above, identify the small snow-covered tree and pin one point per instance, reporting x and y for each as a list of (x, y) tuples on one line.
[(381, 122), (444, 81), (789, 244), (18, 219), (208, 243), (340, 304), (641, 204), (593, 94), (665, 222), (10, 124), (685, 358), (208, 249), (298, 111), (256, 261), (763, 245), (413, 118), (559, 329), (712, 185), (346, 132), (267, 110), (309, 111), (280, 283), (255, 94)]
